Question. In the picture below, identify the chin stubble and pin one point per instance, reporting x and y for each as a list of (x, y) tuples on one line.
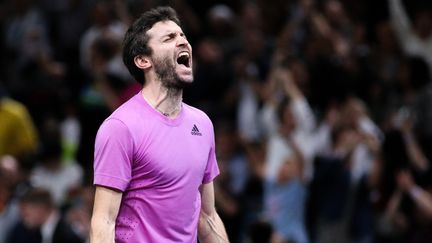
[(165, 70)]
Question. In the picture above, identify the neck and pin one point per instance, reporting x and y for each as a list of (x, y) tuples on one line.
[(163, 99)]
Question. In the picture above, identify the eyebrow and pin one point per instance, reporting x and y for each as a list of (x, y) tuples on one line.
[(171, 33)]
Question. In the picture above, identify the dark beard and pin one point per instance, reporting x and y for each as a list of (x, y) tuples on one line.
[(166, 73)]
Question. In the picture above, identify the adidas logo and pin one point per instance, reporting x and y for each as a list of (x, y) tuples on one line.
[(195, 131)]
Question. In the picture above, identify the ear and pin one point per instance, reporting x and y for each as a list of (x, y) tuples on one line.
[(142, 62)]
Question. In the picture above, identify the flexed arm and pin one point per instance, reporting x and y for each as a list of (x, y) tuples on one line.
[(210, 226)]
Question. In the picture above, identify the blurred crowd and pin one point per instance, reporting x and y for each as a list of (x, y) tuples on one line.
[(322, 112)]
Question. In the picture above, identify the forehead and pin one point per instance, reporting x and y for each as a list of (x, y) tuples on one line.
[(163, 28)]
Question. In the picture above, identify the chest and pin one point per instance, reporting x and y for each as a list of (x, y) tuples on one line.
[(172, 155)]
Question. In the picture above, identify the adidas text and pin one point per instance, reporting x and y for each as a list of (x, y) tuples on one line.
[(195, 131)]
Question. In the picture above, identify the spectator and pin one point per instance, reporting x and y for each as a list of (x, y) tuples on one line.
[(285, 193), (78, 213), (331, 186), (104, 25), (8, 205), (231, 183), (59, 177), (415, 36), (288, 167), (41, 221), (407, 222), (18, 135), (32, 64)]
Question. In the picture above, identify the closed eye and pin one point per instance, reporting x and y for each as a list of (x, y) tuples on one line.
[(172, 36), (169, 37)]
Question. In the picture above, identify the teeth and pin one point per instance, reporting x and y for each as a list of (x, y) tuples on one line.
[(183, 58), (183, 54)]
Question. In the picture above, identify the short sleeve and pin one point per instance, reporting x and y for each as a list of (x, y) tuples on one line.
[(212, 169), (113, 155)]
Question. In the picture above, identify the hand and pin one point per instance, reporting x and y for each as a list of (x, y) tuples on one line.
[(407, 125), (285, 79), (79, 218), (211, 229), (349, 141), (56, 69), (371, 141), (332, 116), (404, 180)]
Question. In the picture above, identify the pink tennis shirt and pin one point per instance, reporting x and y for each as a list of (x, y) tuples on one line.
[(158, 163)]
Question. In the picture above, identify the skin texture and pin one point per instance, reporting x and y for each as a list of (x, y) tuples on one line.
[(105, 210), (210, 226)]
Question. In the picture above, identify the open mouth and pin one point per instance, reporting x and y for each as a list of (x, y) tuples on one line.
[(184, 58)]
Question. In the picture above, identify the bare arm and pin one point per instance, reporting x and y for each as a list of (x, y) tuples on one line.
[(403, 30), (105, 210), (421, 197), (400, 19), (210, 226), (415, 153), (392, 213), (302, 111)]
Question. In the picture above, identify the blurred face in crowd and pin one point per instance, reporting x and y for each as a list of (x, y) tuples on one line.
[(253, 42), (299, 73), (34, 214), (334, 11), (346, 138), (385, 36), (9, 169), (172, 54), (9, 177), (352, 112)]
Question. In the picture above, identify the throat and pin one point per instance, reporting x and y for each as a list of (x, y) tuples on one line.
[(169, 108), (167, 105), (170, 113)]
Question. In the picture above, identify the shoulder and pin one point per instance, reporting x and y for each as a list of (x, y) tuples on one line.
[(13, 107), (200, 120), (128, 110), (113, 129), (197, 114), (18, 233), (123, 117)]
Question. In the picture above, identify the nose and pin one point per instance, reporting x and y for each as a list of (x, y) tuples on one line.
[(182, 41)]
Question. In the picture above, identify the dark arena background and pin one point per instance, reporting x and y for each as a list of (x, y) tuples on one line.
[(322, 112)]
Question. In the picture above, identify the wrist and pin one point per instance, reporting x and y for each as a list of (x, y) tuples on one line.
[(408, 136), (415, 192)]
